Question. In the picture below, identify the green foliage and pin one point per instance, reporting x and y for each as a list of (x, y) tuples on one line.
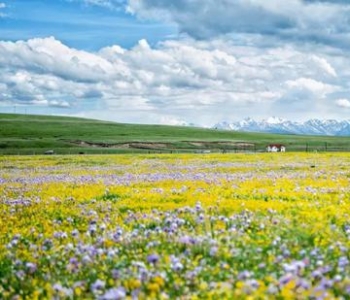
[(109, 197)]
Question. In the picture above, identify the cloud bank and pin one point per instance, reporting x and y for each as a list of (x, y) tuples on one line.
[(233, 59), (344, 103), (178, 80), (294, 20)]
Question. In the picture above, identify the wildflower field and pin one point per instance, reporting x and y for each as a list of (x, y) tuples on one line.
[(217, 226)]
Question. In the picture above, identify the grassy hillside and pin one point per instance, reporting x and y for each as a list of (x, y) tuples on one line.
[(25, 134)]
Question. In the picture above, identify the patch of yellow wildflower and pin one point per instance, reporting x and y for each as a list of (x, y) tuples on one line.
[(240, 226)]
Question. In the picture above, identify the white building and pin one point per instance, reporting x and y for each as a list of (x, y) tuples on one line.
[(276, 148)]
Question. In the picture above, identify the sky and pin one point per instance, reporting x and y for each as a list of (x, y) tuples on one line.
[(176, 62)]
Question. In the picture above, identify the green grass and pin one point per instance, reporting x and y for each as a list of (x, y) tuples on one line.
[(32, 134)]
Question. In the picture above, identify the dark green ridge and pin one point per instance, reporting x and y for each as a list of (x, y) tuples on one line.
[(34, 134)]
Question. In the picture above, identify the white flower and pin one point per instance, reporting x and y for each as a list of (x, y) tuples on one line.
[(114, 294)]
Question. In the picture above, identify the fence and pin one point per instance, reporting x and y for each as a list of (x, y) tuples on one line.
[(215, 148)]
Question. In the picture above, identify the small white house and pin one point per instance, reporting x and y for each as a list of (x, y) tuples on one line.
[(49, 152), (276, 148)]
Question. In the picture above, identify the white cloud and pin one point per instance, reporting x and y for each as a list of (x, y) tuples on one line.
[(99, 2), (316, 87), (293, 20), (59, 103), (324, 66), (2, 7), (110, 4), (194, 81), (345, 103), (169, 120)]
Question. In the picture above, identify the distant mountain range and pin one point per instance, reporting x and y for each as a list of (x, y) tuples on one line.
[(282, 126)]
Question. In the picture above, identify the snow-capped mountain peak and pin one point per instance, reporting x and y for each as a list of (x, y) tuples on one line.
[(275, 120), (279, 125)]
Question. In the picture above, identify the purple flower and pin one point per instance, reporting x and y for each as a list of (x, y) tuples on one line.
[(31, 267), (178, 266), (187, 240), (343, 261), (114, 294), (213, 251), (198, 206), (244, 275), (92, 229), (75, 232), (73, 261), (303, 284), (20, 274), (153, 258), (58, 288), (97, 285), (316, 274), (115, 274), (285, 279)]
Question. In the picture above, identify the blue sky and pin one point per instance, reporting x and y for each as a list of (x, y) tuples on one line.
[(178, 62), (78, 24)]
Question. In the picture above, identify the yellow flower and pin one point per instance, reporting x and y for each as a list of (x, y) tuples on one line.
[(78, 291), (153, 287), (158, 280)]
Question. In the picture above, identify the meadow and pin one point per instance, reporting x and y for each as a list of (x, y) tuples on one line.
[(31, 134), (189, 226)]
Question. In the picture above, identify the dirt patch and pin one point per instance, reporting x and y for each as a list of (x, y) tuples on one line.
[(131, 145), (228, 144), (149, 145), (198, 144), (121, 146), (242, 144), (164, 146)]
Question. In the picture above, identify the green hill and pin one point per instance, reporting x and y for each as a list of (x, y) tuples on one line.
[(33, 134)]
